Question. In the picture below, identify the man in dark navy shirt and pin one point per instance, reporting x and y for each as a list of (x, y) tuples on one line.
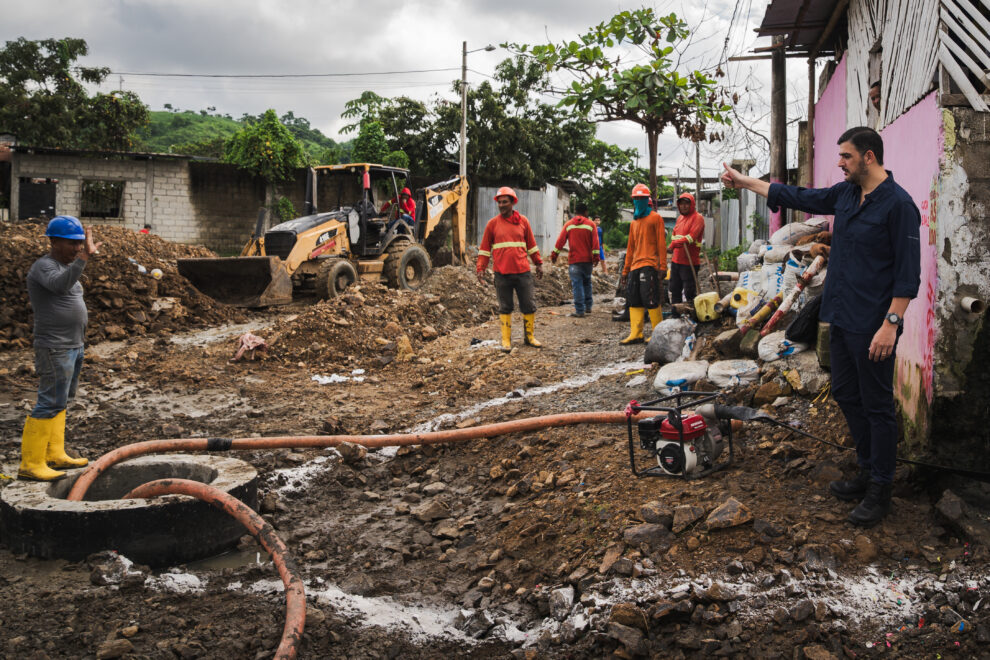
[(874, 271)]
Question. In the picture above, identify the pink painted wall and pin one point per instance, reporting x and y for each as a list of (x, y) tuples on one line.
[(830, 123), (913, 148)]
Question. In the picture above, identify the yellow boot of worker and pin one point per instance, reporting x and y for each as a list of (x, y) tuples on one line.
[(56, 456), (656, 316), (529, 323), (34, 443), (505, 320), (636, 318)]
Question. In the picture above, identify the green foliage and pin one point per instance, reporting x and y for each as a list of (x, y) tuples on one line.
[(284, 210), (370, 146), (397, 158), (757, 223), (366, 106), (44, 103), (727, 259), (650, 93), (730, 193), (617, 236), (266, 149)]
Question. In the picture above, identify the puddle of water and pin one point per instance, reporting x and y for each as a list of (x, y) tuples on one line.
[(233, 559), (211, 335)]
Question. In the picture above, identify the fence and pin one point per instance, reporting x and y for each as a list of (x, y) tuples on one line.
[(741, 221)]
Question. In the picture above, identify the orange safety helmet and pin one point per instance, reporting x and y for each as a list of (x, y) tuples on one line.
[(640, 190), (506, 191)]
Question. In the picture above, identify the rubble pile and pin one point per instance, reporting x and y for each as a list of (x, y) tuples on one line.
[(122, 301)]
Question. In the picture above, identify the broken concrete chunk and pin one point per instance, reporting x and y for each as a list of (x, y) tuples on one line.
[(431, 510), (629, 614), (561, 602), (351, 453)]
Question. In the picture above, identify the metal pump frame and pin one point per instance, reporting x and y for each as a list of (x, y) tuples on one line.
[(681, 400)]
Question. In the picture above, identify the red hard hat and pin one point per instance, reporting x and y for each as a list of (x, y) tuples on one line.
[(507, 191), (640, 190)]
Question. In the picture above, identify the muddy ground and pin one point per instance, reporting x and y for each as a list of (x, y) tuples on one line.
[(530, 545)]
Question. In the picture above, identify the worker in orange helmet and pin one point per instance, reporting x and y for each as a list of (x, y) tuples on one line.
[(509, 243), (645, 265)]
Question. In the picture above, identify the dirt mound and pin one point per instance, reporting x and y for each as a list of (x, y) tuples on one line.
[(121, 300)]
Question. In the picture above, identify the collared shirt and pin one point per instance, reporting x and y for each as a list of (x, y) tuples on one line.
[(582, 235), (508, 242), (876, 248)]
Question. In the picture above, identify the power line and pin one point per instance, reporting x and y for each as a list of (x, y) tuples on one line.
[(276, 75)]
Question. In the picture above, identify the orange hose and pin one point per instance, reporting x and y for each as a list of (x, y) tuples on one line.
[(295, 596), (102, 464)]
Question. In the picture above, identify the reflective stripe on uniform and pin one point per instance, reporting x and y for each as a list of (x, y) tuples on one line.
[(580, 227), (499, 246), (531, 250), (484, 253)]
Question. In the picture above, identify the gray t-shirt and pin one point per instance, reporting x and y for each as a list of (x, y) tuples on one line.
[(57, 300)]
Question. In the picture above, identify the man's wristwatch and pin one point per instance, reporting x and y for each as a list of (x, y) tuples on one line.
[(894, 318)]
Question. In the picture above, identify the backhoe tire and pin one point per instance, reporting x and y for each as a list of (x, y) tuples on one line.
[(334, 276), (407, 265)]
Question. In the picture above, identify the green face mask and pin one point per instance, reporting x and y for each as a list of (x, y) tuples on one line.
[(641, 207)]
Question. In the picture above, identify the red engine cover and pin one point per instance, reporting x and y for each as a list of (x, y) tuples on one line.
[(694, 427)]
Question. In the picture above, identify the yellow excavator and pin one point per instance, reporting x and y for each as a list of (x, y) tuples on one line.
[(329, 250)]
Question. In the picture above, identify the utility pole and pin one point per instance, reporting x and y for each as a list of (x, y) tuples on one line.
[(778, 121), (697, 174), (463, 111)]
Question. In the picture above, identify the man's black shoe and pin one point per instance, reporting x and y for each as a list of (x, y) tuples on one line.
[(622, 316), (874, 506), (854, 489)]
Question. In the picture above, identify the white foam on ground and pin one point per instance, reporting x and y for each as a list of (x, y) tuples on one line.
[(299, 477), (178, 583)]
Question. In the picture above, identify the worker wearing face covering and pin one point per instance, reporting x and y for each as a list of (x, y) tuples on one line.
[(645, 265)]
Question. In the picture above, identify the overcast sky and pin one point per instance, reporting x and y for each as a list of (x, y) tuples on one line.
[(352, 36)]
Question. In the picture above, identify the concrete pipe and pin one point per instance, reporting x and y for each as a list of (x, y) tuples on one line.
[(972, 305), (37, 519)]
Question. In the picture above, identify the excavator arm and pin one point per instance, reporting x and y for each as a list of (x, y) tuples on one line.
[(439, 198)]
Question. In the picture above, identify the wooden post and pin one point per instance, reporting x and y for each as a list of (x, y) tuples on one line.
[(811, 124), (697, 174), (778, 122)]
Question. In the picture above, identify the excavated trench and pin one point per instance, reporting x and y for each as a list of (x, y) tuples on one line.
[(37, 519)]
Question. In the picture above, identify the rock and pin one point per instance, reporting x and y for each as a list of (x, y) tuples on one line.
[(114, 649), (357, 584), (685, 516), (429, 332), (628, 614), (577, 575), (817, 653), (768, 393), (446, 531), (766, 528), (727, 343), (749, 344), (612, 554), (735, 567), (403, 349), (623, 566), (718, 592), (434, 488), (595, 443), (962, 519), (172, 431), (370, 496), (693, 543), (730, 513), (810, 378), (477, 624), (802, 610), (431, 510), (657, 514), (392, 329), (631, 638), (486, 584), (572, 628), (561, 602), (496, 473), (351, 453), (654, 536), (269, 502), (129, 631), (865, 550)]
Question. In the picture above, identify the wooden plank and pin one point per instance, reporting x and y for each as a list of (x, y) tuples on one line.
[(964, 57), (954, 100), (960, 78), (958, 31), (975, 15)]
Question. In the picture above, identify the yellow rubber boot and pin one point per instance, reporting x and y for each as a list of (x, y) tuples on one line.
[(34, 442), (656, 316), (636, 318), (505, 321), (529, 323), (56, 456)]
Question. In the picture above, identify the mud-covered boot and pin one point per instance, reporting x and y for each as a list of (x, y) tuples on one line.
[(874, 506), (529, 324), (505, 322), (636, 318), (656, 316), (853, 489)]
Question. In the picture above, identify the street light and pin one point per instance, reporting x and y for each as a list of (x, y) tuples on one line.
[(464, 54)]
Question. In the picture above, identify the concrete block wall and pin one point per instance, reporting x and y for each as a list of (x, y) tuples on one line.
[(225, 201)]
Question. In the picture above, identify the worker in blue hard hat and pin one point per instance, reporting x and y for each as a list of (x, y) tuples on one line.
[(60, 319)]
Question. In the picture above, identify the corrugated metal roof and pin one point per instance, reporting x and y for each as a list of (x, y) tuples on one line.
[(802, 20), (137, 155)]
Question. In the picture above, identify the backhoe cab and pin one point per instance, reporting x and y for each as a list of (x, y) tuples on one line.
[(327, 251)]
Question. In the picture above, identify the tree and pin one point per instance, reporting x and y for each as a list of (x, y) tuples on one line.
[(370, 146), (44, 103), (652, 94), (266, 149)]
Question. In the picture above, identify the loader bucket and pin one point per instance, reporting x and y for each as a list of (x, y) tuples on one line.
[(240, 281)]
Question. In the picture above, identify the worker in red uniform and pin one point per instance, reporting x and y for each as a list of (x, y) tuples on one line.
[(645, 265), (509, 243), (689, 231), (407, 209), (582, 235)]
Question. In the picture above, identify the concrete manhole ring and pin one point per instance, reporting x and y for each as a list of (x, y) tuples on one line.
[(35, 518)]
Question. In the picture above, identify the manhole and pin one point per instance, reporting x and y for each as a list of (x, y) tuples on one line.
[(35, 518)]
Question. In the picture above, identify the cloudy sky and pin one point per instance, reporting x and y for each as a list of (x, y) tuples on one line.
[(366, 37)]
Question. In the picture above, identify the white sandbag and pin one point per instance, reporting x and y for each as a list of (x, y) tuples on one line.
[(773, 278), (776, 254), (754, 247), (752, 280), (790, 234), (667, 340), (679, 376), (746, 261), (775, 346), (729, 373)]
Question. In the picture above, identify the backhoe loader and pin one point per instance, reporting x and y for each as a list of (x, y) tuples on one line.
[(329, 250)]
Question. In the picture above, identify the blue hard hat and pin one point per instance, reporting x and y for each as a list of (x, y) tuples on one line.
[(66, 226)]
